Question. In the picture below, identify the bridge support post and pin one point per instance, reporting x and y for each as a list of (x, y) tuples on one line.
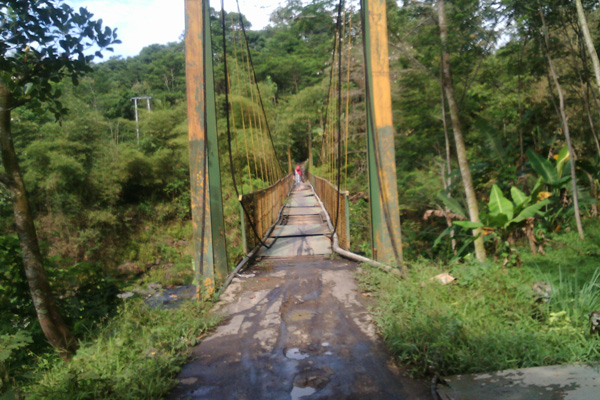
[(383, 190), (210, 257)]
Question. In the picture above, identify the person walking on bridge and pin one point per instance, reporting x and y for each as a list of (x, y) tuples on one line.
[(298, 174)]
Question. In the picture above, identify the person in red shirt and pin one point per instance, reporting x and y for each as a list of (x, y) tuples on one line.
[(298, 174)]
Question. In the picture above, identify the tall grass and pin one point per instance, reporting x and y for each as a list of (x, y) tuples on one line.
[(136, 356), (489, 318)]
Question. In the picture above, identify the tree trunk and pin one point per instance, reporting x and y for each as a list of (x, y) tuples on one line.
[(588, 41), (565, 124), (594, 190), (584, 80), (53, 326), (447, 183), (461, 152)]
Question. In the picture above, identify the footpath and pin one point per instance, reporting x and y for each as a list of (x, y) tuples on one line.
[(296, 326)]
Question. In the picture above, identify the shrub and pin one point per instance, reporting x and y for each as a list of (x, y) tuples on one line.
[(135, 356), (487, 320)]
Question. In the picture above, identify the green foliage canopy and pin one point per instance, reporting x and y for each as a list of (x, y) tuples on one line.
[(41, 42)]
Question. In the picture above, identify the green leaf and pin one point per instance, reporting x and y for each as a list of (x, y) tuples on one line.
[(537, 188), (542, 166), (495, 146), (497, 220), (519, 198), (499, 204), (563, 157), (530, 211), (468, 242), (453, 205), (27, 88), (468, 224), (564, 180), (442, 235)]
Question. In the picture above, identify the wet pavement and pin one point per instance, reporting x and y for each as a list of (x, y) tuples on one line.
[(573, 382), (295, 330)]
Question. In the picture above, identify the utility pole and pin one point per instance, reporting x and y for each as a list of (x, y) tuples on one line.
[(210, 255), (137, 123), (383, 190)]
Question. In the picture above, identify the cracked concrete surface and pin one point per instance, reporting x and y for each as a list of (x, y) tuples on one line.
[(294, 331)]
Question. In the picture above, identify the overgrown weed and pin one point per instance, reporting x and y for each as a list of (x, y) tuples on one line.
[(489, 319), (135, 356)]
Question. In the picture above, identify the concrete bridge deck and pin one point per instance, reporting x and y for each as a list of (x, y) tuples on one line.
[(303, 229), (295, 329)]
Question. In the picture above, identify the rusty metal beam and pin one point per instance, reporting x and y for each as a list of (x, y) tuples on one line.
[(197, 135), (214, 168), (385, 214)]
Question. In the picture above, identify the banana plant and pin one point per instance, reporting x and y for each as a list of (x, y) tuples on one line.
[(557, 180), (503, 213), (551, 175), (502, 217)]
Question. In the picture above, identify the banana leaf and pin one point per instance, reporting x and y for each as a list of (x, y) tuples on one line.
[(542, 166)]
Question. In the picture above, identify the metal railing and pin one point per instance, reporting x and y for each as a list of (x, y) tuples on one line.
[(263, 206), (331, 199)]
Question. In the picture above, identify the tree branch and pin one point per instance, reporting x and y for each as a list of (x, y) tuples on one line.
[(405, 51), (469, 79)]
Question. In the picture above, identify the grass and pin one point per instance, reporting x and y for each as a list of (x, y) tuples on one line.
[(135, 356), (489, 318), (128, 350)]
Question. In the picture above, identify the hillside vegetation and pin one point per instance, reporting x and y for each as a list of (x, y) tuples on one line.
[(112, 210)]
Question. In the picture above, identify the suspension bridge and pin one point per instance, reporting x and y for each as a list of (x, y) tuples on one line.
[(297, 328), (265, 206)]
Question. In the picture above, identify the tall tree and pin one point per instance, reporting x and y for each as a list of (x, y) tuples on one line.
[(588, 41), (461, 152), (41, 42), (564, 120)]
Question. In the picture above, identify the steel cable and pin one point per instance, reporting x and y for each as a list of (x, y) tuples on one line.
[(258, 88), (227, 112)]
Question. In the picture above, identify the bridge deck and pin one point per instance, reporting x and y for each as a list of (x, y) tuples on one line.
[(296, 327), (303, 230), (294, 330)]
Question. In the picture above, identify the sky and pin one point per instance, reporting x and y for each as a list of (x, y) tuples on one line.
[(140, 23)]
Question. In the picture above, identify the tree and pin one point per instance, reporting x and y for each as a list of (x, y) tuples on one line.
[(564, 119), (41, 42), (461, 152), (588, 41)]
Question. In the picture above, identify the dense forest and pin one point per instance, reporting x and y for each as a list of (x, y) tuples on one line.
[(112, 206)]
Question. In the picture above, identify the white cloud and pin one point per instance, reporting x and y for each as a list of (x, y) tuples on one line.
[(140, 23)]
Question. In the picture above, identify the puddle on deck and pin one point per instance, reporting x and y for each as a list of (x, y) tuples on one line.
[(295, 354), (298, 392)]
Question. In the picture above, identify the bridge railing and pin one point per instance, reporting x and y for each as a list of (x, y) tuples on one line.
[(263, 206), (330, 197)]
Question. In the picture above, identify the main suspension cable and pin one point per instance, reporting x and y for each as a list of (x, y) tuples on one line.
[(257, 87), (347, 113), (227, 112), (237, 75)]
